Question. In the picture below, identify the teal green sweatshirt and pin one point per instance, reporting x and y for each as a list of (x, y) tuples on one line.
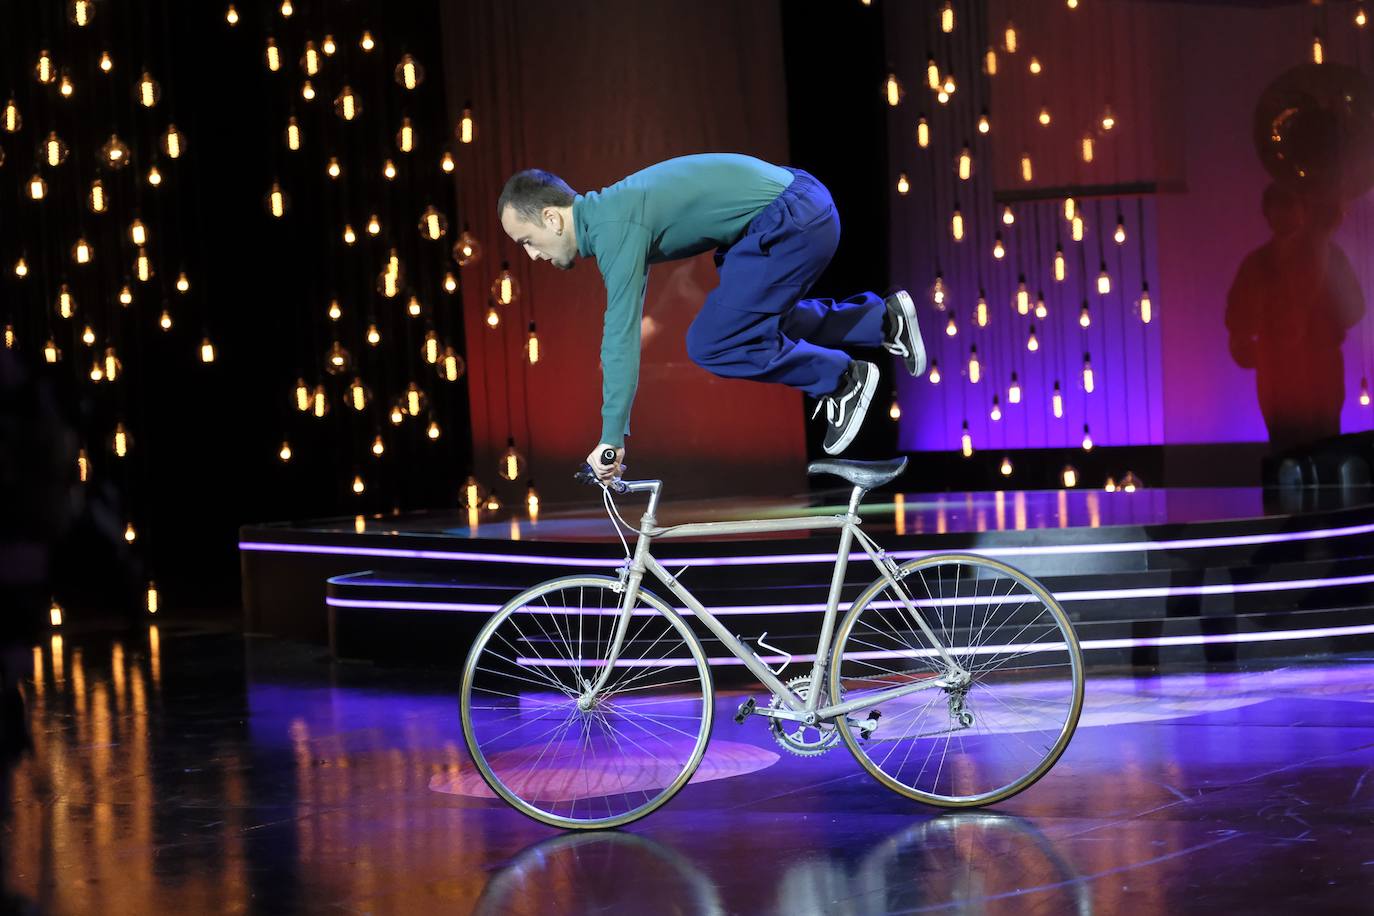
[(675, 209)]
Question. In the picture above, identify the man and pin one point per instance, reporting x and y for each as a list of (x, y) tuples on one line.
[(774, 230)]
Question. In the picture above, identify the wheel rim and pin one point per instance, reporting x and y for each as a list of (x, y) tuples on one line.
[(961, 745), (537, 742)]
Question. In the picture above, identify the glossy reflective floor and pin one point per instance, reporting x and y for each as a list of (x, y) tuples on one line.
[(190, 770)]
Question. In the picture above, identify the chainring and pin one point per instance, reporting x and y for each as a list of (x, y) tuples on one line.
[(797, 738)]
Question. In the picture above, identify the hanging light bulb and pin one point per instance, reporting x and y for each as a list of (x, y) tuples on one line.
[(374, 336), (447, 164), (337, 360), (512, 462), (1087, 147), (1087, 373), (88, 336), (532, 502), (81, 12), (183, 283), (1085, 318), (922, 132), (293, 134), (996, 413), (1364, 392), (54, 150), (55, 616), (310, 60), (965, 164), (207, 350), (349, 236), (903, 186), (113, 366), (892, 90), (990, 61), (466, 250), (980, 312), (405, 137), (9, 337), (302, 395), (21, 268), (149, 90), (378, 446), (1108, 119), (1034, 66), (1057, 401), (1120, 235), (122, 441), (130, 535), (451, 365), (154, 176), (433, 224), (1130, 483), (1110, 486), (82, 252), (358, 396), (414, 399), (532, 346), (450, 282), (333, 169), (413, 307), (83, 466), (366, 42), (429, 350), (966, 441), (895, 411), (319, 402), (45, 70), (165, 320), (1027, 174), (1006, 466), (397, 414), (1022, 296), (466, 126), (932, 73), (1077, 230), (1087, 439), (975, 370), (1060, 267), (432, 430), (1318, 54), (11, 119), (347, 105), (97, 371), (1009, 37), (1104, 281), (1070, 476), (1032, 342), (504, 289), (1145, 305), (38, 188), (284, 453), (1360, 18), (947, 17), (374, 225), (66, 302), (1044, 116), (984, 123), (948, 86), (1008, 216), (1014, 391), (956, 224), (934, 373), (359, 486), (999, 251), (951, 327), (937, 291), (287, 9), (276, 201), (471, 495), (1041, 311), (308, 91), (173, 142), (115, 153), (1070, 209), (232, 15)]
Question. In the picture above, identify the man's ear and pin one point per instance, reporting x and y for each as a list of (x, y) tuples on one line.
[(553, 219)]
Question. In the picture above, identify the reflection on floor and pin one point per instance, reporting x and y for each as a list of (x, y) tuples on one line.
[(189, 770)]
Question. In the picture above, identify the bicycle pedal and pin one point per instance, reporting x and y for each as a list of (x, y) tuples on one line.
[(746, 710), (869, 725)]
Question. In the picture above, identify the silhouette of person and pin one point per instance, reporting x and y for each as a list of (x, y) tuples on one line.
[(1288, 311)]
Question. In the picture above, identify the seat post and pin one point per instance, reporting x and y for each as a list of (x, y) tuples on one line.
[(855, 498)]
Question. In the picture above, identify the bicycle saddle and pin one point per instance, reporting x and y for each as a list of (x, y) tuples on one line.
[(866, 474)]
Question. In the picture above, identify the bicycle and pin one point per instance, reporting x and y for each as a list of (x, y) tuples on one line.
[(591, 691)]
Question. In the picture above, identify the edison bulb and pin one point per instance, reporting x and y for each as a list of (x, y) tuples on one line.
[(347, 105), (409, 74), (1087, 439), (88, 336), (1108, 119), (1057, 402), (310, 60), (980, 312), (389, 170), (532, 345), (308, 91), (451, 365), (207, 350), (956, 225), (21, 268), (319, 402), (450, 282), (397, 414), (413, 307), (121, 441), (38, 188), (357, 396), (11, 120), (465, 127), (415, 399), (1086, 147), (1145, 305), (54, 150), (923, 133), (154, 176), (1027, 173), (512, 462), (333, 169), (45, 71), (293, 134), (183, 283), (302, 395), (143, 266), (965, 164), (277, 201), (433, 431), (126, 296), (366, 42), (1077, 227), (1087, 374), (966, 442), (374, 225), (1085, 318), (467, 249), (232, 15), (358, 485), (1041, 311), (990, 61), (996, 413), (349, 236), (934, 373), (1104, 282), (284, 453), (951, 327), (1044, 117), (66, 302), (1070, 476), (429, 350), (1060, 267), (1032, 342), (984, 124), (433, 224), (165, 320), (405, 137), (447, 164), (337, 360), (82, 252), (999, 250), (1008, 216), (378, 446), (975, 369), (51, 353), (504, 289), (903, 186), (173, 142)]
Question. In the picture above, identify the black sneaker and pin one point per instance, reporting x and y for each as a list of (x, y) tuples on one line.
[(902, 333), (845, 409)]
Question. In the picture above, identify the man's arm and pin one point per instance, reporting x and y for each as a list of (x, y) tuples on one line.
[(622, 255)]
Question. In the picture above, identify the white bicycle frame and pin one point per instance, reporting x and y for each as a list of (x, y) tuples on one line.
[(808, 710)]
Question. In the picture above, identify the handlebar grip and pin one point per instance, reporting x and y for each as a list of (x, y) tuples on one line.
[(608, 456)]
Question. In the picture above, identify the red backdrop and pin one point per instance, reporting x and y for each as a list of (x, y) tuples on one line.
[(594, 92)]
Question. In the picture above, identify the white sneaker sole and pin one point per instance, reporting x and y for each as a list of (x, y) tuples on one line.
[(856, 419), (913, 336)]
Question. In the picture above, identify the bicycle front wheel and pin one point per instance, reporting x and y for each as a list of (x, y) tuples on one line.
[(558, 752), (968, 739)]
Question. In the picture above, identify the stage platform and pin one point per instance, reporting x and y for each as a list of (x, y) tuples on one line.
[(1156, 576)]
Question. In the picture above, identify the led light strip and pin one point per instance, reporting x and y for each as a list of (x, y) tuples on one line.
[(1241, 540), (1087, 645), (1118, 594)]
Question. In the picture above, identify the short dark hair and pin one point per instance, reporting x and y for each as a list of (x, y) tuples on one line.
[(530, 191)]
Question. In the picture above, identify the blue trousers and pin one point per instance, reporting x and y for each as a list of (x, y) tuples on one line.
[(756, 325)]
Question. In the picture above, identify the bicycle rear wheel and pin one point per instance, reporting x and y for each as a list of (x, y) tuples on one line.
[(560, 755), (963, 742)]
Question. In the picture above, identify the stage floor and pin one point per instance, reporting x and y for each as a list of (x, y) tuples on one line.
[(901, 514), (191, 770)]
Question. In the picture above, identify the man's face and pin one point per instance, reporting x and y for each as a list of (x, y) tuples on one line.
[(548, 240)]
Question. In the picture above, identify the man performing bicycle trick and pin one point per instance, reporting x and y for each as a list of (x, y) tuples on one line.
[(774, 230)]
